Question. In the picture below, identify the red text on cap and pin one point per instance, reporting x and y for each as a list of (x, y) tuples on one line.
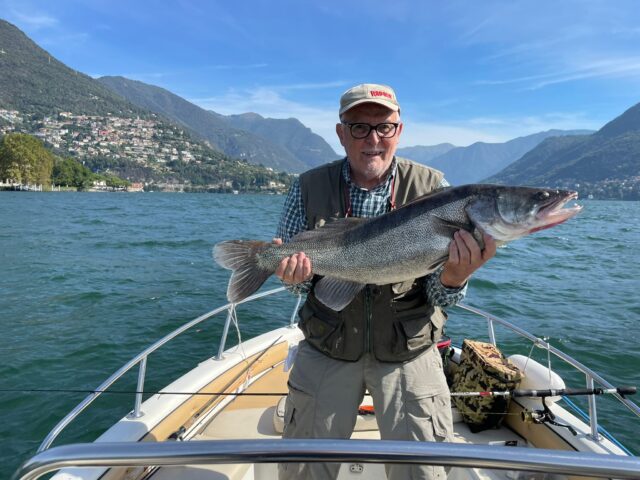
[(380, 93)]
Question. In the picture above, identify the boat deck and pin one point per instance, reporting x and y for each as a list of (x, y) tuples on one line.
[(252, 417)]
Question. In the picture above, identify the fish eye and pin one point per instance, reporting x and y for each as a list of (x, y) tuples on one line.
[(542, 195)]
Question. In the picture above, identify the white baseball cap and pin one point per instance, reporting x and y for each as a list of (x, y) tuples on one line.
[(369, 93)]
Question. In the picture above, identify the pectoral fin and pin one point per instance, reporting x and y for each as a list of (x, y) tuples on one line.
[(335, 293), (451, 225)]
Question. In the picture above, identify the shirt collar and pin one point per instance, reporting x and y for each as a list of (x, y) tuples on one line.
[(346, 174)]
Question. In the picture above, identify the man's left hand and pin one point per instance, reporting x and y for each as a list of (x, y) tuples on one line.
[(465, 257)]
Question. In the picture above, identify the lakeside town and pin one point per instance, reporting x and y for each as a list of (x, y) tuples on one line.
[(148, 142), (154, 144), (117, 137)]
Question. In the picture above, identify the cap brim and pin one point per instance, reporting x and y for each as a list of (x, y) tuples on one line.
[(390, 105)]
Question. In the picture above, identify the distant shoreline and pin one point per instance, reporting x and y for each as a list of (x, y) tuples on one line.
[(8, 189)]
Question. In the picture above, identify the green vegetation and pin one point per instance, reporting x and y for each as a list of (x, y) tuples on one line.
[(77, 116), (25, 160)]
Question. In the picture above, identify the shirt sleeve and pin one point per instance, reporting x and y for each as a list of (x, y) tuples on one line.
[(293, 221), (439, 295)]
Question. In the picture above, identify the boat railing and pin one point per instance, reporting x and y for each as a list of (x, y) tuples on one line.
[(322, 450), (141, 361)]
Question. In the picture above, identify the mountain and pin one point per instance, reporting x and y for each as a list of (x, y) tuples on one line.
[(280, 144), (608, 159), (477, 161), (33, 82), (289, 133), (425, 154), (77, 116)]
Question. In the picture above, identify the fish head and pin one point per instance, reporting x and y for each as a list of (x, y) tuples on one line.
[(509, 212)]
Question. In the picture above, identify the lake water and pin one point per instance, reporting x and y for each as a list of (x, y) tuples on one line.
[(89, 280)]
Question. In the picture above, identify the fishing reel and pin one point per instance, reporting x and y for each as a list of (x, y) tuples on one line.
[(544, 416)]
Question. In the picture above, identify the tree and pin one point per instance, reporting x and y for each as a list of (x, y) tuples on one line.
[(70, 172), (25, 160)]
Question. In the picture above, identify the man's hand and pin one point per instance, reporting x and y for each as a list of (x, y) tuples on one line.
[(465, 257), (293, 269)]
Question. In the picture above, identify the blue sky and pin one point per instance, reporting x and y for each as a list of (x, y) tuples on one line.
[(464, 71)]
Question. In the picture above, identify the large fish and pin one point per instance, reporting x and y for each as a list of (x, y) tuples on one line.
[(406, 243)]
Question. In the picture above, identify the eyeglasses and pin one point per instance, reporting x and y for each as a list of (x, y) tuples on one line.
[(362, 130)]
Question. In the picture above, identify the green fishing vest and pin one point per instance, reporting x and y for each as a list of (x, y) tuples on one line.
[(394, 322)]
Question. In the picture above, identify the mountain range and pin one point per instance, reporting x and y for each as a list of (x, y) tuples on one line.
[(480, 160), (40, 87), (609, 156), (284, 145), (35, 83)]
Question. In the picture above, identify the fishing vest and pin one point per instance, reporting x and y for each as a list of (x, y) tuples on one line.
[(394, 321)]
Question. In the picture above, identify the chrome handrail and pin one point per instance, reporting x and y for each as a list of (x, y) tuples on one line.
[(230, 308), (141, 357), (591, 376), (132, 454)]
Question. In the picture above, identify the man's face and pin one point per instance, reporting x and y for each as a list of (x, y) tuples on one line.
[(369, 157)]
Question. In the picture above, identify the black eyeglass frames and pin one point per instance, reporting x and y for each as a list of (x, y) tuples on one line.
[(362, 130)]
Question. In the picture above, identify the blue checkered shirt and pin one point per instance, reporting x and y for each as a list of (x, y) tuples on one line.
[(364, 203)]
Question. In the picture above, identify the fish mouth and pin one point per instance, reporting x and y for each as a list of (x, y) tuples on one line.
[(554, 212)]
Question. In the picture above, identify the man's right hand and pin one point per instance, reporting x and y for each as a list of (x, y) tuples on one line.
[(293, 269)]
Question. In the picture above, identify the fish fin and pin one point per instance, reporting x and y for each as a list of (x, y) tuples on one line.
[(436, 265), (335, 293), (432, 193), (334, 227), (240, 257), (451, 225)]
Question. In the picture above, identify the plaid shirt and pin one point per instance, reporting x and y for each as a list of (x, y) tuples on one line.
[(364, 203)]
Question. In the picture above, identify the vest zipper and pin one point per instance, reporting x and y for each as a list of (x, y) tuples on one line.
[(367, 313)]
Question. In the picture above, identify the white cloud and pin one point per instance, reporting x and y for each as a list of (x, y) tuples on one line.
[(321, 120), (621, 67), (491, 129), (270, 103), (34, 20), (422, 133)]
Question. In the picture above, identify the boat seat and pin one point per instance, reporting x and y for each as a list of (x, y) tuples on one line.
[(241, 423)]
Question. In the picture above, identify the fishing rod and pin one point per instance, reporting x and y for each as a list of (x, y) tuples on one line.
[(622, 390)]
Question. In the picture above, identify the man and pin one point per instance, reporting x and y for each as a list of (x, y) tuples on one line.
[(384, 341)]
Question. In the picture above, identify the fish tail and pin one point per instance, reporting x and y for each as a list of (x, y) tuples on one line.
[(240, 256)]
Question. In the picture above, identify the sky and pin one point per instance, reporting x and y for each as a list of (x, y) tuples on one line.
[(463, 71)]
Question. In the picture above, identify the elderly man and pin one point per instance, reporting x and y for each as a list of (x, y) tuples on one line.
[(384, 341)]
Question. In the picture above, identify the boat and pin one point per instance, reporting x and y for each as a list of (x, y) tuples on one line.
[(223, 419)]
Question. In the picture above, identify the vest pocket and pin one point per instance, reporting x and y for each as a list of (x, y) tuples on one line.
[(324, 331), (414, 332), (416, 329)]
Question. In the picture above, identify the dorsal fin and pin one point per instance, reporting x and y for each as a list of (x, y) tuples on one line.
[(334, 227)]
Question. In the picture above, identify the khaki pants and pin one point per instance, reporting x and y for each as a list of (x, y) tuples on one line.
[(411, 402)]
